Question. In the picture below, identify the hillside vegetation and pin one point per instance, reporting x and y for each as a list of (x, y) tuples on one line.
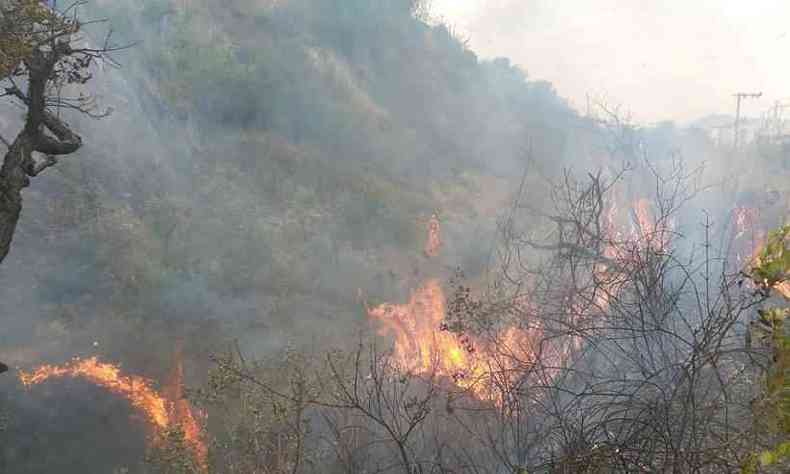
[(268, 174)]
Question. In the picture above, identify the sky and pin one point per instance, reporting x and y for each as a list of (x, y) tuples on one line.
[(661, 59)]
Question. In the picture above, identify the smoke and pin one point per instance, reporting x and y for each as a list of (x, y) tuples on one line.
[(50, 427), (264, 162), (622, 49)]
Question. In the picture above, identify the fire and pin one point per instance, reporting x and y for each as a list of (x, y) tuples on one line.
[(620, 246), (424, 346), (420, 346), (161, 412), (646, 230), (434, 241), (644, 233), (182, 412), (643, 216), (748, 235), (745, 220), (484, 365), (135, 389)]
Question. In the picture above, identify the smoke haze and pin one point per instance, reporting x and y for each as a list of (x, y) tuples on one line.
[(271, 169), (691, 56)]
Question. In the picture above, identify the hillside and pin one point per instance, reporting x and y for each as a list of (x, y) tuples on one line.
[(268, 175), (261, 142)]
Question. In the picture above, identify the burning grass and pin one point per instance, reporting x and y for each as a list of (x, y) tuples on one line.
[(163, 412)]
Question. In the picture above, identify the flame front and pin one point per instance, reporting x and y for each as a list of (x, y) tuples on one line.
[(424, 347), (182, 413), (487, 365), (419, 344), (135, 389), (138, 390)]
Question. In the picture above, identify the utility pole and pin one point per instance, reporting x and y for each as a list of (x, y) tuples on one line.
[(740, 96)]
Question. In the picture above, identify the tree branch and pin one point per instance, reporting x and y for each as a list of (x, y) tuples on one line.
[(66, 141)]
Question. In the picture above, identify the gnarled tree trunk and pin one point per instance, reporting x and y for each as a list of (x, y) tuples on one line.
[(20, 163)]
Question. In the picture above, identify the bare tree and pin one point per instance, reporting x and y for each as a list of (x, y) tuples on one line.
[(655, 375), (43, 55), (361, 413)]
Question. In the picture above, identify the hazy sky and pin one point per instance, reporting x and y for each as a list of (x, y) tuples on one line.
[(663, 59)]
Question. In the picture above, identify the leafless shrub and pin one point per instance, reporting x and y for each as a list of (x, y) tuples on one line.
[(655, 375)]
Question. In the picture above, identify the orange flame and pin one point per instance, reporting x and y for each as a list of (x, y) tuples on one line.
[(643, 215), (182, 412), (645, 233), (649, 233), (424, 346), (137, 390), (486, 365), (749, 237), (434, 241), (415, 325)]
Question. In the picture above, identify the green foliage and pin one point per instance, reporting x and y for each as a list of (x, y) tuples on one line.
[(770, 272), (171, 453), (773, 261), (778, 381), (766, 459), (771, 457), (24, 23), (192, 65), (26, 26), (264, 421)]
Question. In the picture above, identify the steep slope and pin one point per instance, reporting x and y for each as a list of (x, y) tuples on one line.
[(263, 157)]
